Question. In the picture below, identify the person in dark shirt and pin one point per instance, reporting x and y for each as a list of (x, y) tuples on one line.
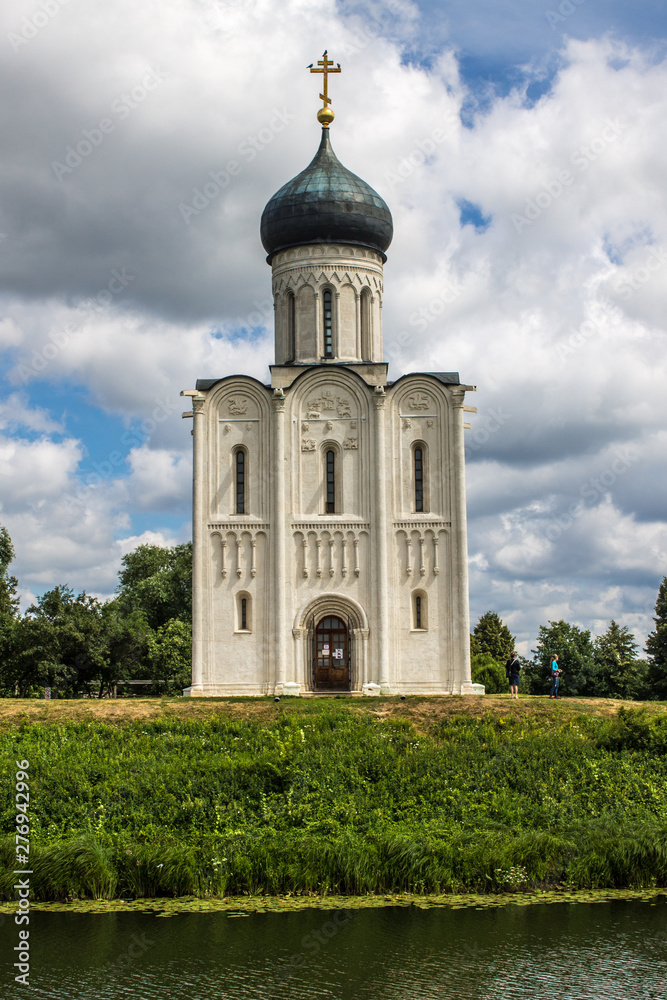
[(512, 668)]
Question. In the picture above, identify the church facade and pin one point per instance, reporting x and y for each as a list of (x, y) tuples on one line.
[(329, 515)]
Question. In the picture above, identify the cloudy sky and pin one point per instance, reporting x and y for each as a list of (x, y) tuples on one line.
[(521, 147)]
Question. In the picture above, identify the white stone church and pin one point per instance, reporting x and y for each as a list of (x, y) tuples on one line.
[(329, 515)]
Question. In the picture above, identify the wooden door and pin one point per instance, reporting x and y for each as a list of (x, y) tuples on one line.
[(331, 655)]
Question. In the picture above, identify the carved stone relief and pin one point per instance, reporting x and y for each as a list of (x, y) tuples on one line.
[(328, 402), (419, 401), (238, 405)]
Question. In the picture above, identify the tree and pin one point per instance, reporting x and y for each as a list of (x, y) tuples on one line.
[(126, 645), (656, 647), (8, 610), (530, 677), (76, 625), (485, 670), (9, 603), (30, 657), (158, 582), (170, 655), (74, 645), (493, 637), (576, 657), (619, 673)]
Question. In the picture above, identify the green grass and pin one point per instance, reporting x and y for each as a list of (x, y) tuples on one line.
[(331, 797)]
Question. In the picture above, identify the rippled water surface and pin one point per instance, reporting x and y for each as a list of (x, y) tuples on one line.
[(606, 950)]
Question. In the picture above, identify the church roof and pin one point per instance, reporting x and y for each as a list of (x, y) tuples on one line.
[(326, 203), (447, 378)]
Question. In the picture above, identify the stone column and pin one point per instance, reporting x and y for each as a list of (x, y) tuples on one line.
[(279, 328), (199, 542), (381, 568), (376, 328), (357, 325), (337, 333), (319, 343), (294, 687), (278, 527), (461, 624), (364, 653)]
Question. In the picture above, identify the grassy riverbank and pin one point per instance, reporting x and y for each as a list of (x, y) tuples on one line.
[(177, 798)]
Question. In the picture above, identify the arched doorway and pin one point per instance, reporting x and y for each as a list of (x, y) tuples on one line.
[(332, 654), (309, 617)]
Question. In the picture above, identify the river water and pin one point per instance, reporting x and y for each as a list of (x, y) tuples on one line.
[(603, 950)]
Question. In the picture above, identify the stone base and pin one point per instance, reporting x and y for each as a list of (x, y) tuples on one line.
[(423, 690), (476, 689), (224, 691), (293, 690)]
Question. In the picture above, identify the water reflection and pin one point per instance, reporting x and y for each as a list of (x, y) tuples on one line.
[(608, 951)]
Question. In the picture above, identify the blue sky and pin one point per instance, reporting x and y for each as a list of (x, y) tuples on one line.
[(112, 302)]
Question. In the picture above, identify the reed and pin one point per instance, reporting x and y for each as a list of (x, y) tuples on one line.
[(331, 800)]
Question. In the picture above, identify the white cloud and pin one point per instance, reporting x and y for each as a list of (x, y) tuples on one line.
[(15, 412), (10, 334), (161, 479), (35, 473)]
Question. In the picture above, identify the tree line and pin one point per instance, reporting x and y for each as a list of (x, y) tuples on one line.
[(80, 646), (605, 666)]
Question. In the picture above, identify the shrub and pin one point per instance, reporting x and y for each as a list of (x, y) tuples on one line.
[(485, 670)]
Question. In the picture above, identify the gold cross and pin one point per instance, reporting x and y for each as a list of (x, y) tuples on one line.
[(325, 67)]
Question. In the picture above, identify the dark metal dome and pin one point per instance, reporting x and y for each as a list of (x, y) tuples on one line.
[(326, 203)]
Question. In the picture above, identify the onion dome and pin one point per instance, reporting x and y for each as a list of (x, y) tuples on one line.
[(326, 203)]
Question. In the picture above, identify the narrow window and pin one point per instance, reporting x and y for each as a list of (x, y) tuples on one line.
[(420, 612), (331, 482), (291, 327), (328, 327), (243, 613), (240, 481), (419, 479)]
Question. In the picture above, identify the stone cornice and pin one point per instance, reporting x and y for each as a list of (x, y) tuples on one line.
[(318, 251), (422, 524), (330, 526), (238, 526)]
